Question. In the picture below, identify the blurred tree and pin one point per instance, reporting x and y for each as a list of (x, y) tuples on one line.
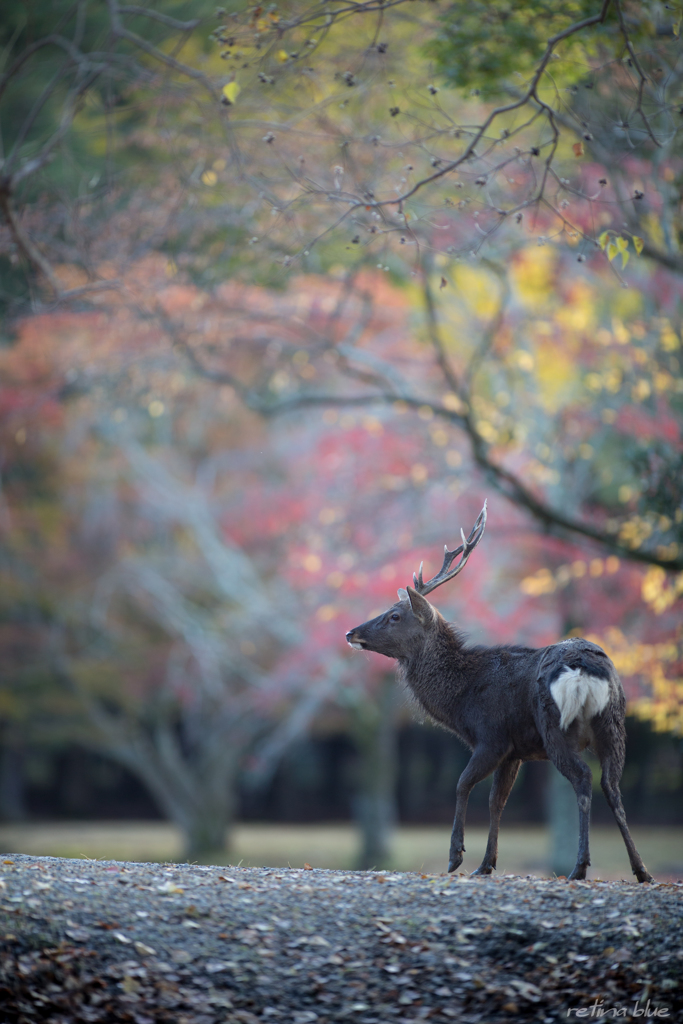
[(161, 628), (314, 139)]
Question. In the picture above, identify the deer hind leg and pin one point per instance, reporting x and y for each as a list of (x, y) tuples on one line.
[(609, 746), (575, 769), (482, 763), (503, 781)]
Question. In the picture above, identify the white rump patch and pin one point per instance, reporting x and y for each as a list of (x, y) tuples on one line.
[(578, 694)]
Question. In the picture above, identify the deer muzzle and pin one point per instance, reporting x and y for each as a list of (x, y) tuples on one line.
[(354, 640)]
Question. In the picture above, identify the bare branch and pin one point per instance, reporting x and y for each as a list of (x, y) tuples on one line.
[(25, 244), (164, 19), (153, 51), (641, 74)]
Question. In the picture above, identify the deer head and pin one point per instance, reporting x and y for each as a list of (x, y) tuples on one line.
[(401, 630)]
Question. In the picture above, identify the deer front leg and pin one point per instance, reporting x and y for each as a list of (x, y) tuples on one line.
[(503, 781), (482, 763)]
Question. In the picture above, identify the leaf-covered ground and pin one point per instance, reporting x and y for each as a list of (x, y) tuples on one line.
[(183, 944)]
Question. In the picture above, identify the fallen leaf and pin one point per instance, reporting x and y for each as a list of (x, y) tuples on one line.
[(144, 950), (622, 954), (181, 956), (527, 990), (120, 937), (307, 867), (578, 149), (169, 887), (216, 966)]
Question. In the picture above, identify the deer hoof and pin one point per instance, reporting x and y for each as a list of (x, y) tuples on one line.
[(483, 869), (644, 876), (578, 874), (455, 861)]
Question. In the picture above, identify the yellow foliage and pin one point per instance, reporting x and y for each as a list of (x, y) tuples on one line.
[(533, 275), (579, 313), (669, 338), (663, 708), (523, 359), (546, 582), (656, 590), (541, 582), (641, 390), (662, 380), (479, 289), (231, 91), (621, 335), (635, 531), (627, 303), (453, 403), (654, 228), (556, 373)]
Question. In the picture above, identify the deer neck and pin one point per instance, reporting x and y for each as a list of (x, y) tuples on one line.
[(438, 674)]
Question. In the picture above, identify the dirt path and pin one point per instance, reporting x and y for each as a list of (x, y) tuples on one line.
[(181, 944)]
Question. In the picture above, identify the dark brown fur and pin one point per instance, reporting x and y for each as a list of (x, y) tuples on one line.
[(497, 700)]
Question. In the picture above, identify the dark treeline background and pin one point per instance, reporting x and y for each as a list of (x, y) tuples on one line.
[(316, 782)]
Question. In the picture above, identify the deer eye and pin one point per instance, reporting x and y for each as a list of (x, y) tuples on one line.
[(394, 617)]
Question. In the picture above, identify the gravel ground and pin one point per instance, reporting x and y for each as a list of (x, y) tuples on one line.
[(183, 944)]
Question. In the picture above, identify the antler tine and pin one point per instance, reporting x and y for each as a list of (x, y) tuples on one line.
[(465, 549)]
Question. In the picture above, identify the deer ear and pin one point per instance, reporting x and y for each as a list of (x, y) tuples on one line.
[(422, 609), (402, 594)]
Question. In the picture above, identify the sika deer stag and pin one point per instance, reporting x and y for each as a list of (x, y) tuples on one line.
[(508, 704)]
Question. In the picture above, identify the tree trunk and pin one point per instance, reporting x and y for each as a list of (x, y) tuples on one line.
[(563, 820), (206, 831), (194, 788), (562, 808), (203, 809), (12, 795), (374, 804)]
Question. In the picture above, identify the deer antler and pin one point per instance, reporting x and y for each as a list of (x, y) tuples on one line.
[(445, 573)]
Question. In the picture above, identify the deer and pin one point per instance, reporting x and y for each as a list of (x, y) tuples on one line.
[(509, 704)]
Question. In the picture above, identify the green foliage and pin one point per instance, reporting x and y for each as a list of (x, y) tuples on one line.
[(486, 45), (67, 64)]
